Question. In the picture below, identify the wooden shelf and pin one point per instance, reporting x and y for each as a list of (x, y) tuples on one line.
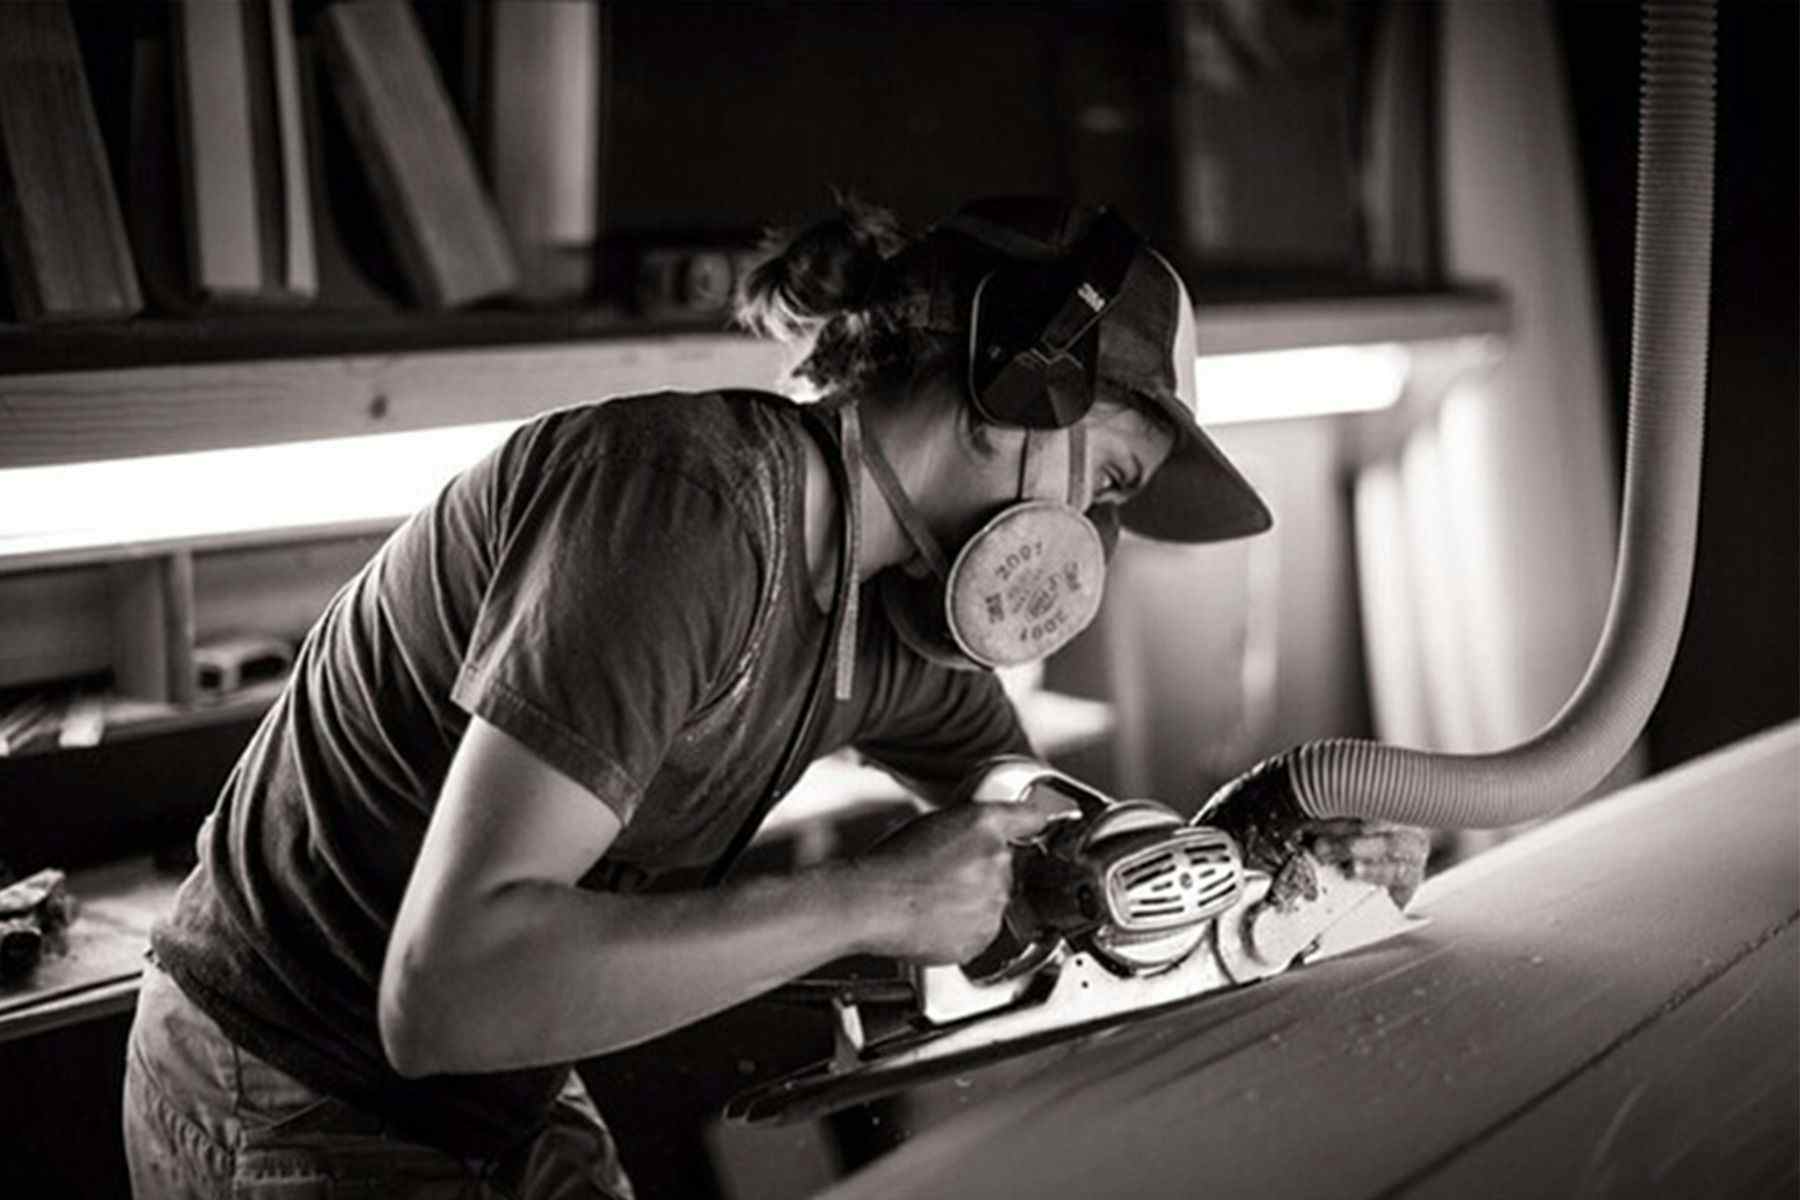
[(118, 412), (1233, 315), (315, 332), (162, 386), (124, 718), (128, 718)]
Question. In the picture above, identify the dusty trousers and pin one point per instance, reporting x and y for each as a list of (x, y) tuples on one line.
[(205, 1118)]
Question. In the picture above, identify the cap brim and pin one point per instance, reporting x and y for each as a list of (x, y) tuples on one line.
[(1196, 495)]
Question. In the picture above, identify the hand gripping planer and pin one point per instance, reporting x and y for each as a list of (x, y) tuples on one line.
[(1119, 907)]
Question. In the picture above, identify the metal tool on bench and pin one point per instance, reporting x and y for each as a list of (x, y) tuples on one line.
[(1119, 907), (34, 915)]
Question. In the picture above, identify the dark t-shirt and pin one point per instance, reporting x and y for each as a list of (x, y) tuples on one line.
[(622, 588)]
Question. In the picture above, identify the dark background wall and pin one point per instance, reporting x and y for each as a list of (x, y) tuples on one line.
[(729, 116), (1738, 669)]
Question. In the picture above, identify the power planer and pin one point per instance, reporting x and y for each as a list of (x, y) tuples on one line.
[(1119, 907)]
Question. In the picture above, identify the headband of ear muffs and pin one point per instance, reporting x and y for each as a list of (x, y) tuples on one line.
[(1034, 320)]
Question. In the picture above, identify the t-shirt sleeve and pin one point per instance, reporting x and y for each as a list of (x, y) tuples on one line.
[(621, 597), (931, 727)]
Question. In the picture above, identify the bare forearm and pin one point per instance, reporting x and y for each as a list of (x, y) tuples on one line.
[(544, 973)]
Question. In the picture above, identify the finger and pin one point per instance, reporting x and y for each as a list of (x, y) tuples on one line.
[(1017, 822), (1380, 874), (1343, 827), (1408, 843), (1399, 844)]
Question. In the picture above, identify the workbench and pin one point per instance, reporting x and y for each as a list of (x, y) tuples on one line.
[(97, 974), (1606, 1005)]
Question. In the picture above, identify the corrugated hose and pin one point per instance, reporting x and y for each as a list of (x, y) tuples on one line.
[(1659, 513)]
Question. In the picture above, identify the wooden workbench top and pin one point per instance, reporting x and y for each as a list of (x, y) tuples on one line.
[(1608, 1005), (98, 974)]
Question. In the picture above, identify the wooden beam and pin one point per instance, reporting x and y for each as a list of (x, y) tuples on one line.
[(85, 416)]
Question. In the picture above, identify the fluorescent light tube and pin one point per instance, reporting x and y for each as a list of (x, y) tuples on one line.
[(1279, 385)]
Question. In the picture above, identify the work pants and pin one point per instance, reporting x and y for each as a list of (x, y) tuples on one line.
[(205, 1118)]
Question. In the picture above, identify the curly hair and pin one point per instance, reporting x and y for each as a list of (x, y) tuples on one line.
[(824, 291)]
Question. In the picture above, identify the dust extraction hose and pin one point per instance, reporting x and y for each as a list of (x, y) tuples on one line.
[(1660, 510)]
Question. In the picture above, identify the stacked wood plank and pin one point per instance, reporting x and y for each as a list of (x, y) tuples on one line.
[(448, 236), (222, 156), (61, 232), (248, 215)]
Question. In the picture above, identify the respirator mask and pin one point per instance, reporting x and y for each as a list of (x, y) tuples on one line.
[(1021, 587)]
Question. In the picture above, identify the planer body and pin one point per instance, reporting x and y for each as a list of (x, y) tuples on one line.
[(1120, 908)]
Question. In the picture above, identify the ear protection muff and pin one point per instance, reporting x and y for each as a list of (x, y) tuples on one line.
[(1034, 322)]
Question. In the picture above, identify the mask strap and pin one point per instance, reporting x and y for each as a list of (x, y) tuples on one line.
[(842, 638), (850, 431), (1077, 465), (1028, 464), (904, 512)]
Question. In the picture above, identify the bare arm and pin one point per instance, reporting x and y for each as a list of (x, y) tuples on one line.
[(499, 961)]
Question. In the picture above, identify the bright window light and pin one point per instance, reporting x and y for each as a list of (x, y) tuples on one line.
[(1318, 381), (222, 492)]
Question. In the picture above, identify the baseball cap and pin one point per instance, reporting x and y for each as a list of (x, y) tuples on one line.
[(1148, 345), (1144, 342)]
